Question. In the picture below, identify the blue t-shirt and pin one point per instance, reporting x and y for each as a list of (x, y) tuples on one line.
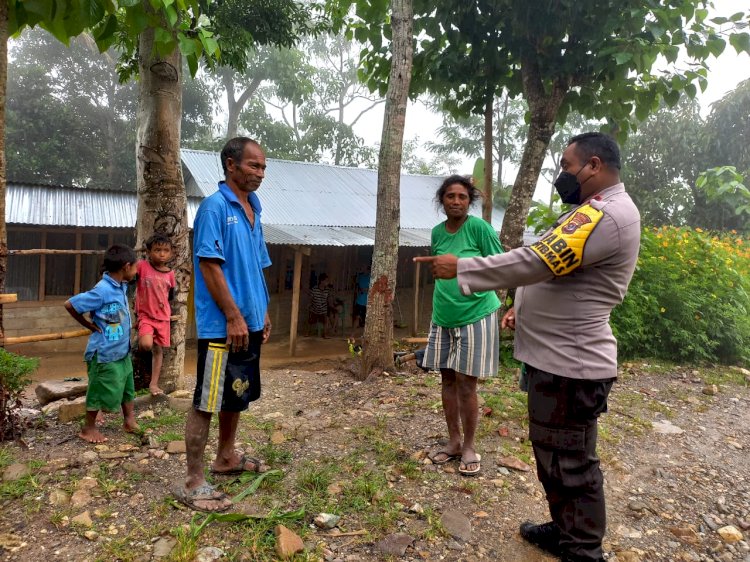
[(363, 286), (108, 304), (222, 231)]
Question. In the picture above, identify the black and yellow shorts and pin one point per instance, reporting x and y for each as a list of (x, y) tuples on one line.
[(227, 381)]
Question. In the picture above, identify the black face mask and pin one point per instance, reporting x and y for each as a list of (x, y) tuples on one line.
[(568, 187)]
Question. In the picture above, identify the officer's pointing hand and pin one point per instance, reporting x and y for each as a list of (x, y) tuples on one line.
[(443, 267)]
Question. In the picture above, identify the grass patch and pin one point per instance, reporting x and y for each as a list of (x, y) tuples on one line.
[(726, 376), (273, 455), (167, 418), (168, 436), (6, 457)]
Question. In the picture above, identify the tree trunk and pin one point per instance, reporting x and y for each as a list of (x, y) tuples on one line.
[(543, 107), (378, 350), (501, 143), (233, 108), (162, 202), (487, 188), (3, 86)]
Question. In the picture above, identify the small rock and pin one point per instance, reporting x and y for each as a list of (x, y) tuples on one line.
[(72, 410), (666, 427), (146, 415), (16, 472), (176, 447), (711, 390), (417, 508), (89, 457), (730, 534), (687, 534), (80, 498), (288, 543), (333, 489), (58, 498), (394, 544), (326, 520), (181, 394), (208, 554), (163, 547), (710, 523), (497, 482), (83, 519), (744, 525), (273, 416), (49, 391), (111, 455), (91, 535), (277, 438), (180, 404), (514, 463), (449, 469), (628, 556), (457, 525), (480, 514)]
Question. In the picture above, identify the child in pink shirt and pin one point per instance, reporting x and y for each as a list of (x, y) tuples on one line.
[(154, 289)]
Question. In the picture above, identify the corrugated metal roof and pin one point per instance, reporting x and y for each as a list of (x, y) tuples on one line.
[(303, 204), (300, 193)]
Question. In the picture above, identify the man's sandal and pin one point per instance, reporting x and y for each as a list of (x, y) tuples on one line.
[(203, 493), (464, 470), (258, 465), (447, 457)]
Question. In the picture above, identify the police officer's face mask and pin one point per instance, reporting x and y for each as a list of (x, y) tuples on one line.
[(568, 187)]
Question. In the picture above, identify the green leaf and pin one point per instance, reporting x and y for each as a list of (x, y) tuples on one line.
[(192, 62), (700, 15), (716, 46), (740, 42), (691, 90), (44, 9), (136, 20), (622, 57), (672, 97), (171, 14), (105, 30)]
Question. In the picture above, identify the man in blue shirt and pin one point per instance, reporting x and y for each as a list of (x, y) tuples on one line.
[(231, 309)]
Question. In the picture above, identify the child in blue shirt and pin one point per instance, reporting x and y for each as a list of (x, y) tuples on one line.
[(110, 370)]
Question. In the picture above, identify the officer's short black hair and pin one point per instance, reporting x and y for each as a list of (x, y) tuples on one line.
[(474, 193), (117, 256), (234, 149), (158, 238), (597, 144)]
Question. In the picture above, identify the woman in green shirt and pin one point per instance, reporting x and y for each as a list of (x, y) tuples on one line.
[(464, 335)]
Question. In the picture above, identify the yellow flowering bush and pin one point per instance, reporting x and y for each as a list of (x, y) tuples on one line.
[(689, 299)]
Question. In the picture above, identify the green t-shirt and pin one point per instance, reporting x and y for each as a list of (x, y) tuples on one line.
[(451, 309)]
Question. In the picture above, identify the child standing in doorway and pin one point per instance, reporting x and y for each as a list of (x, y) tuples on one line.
[(154, 289), (110, 370)]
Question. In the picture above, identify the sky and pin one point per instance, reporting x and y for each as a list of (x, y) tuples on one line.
[(725, 72)]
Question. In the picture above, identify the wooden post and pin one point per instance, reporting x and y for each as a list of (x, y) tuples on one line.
[(77, 278), (415, 322), (43, 269), (295, 301)]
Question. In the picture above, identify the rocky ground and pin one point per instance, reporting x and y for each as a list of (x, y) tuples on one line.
[(674, 448)]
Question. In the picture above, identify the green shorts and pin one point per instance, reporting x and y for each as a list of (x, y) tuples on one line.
[(110, 385)]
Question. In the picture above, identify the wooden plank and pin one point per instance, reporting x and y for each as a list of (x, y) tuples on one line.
[(295, 301), (77, 278), (414, 340), (46, 337), (415, 320), (5, 298), (49, 251), (43, 270)]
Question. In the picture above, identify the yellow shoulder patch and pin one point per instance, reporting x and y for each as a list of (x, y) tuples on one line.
[(562, 249)]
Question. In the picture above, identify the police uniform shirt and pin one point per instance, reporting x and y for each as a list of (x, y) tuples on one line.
[(570, 281)]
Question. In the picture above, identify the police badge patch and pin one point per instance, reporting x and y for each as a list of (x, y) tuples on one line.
[(562, 249)]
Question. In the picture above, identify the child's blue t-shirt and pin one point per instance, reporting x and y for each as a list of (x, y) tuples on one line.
[(108, 304)]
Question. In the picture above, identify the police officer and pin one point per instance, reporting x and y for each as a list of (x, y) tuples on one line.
[(570, 280)]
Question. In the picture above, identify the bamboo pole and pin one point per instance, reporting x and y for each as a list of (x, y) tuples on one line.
[(415, 322), (50, 251), (5, 298), (46, 337)]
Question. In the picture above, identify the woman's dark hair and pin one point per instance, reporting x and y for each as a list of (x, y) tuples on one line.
[(473, 192), (117, 256)]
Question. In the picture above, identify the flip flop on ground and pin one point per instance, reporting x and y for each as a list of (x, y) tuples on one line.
[(445, 458), (241, 466), (465, 467), (202, 494)]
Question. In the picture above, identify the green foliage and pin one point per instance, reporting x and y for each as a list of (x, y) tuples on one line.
[(725, 184), (689, 299), (542, 216), (15, 371)]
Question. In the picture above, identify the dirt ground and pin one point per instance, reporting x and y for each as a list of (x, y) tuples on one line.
[(357, 450)]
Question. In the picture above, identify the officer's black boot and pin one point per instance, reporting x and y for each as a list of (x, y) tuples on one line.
[(545, 536)]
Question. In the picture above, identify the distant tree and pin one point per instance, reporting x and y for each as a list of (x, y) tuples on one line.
[(662, 160), (596, 57)]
